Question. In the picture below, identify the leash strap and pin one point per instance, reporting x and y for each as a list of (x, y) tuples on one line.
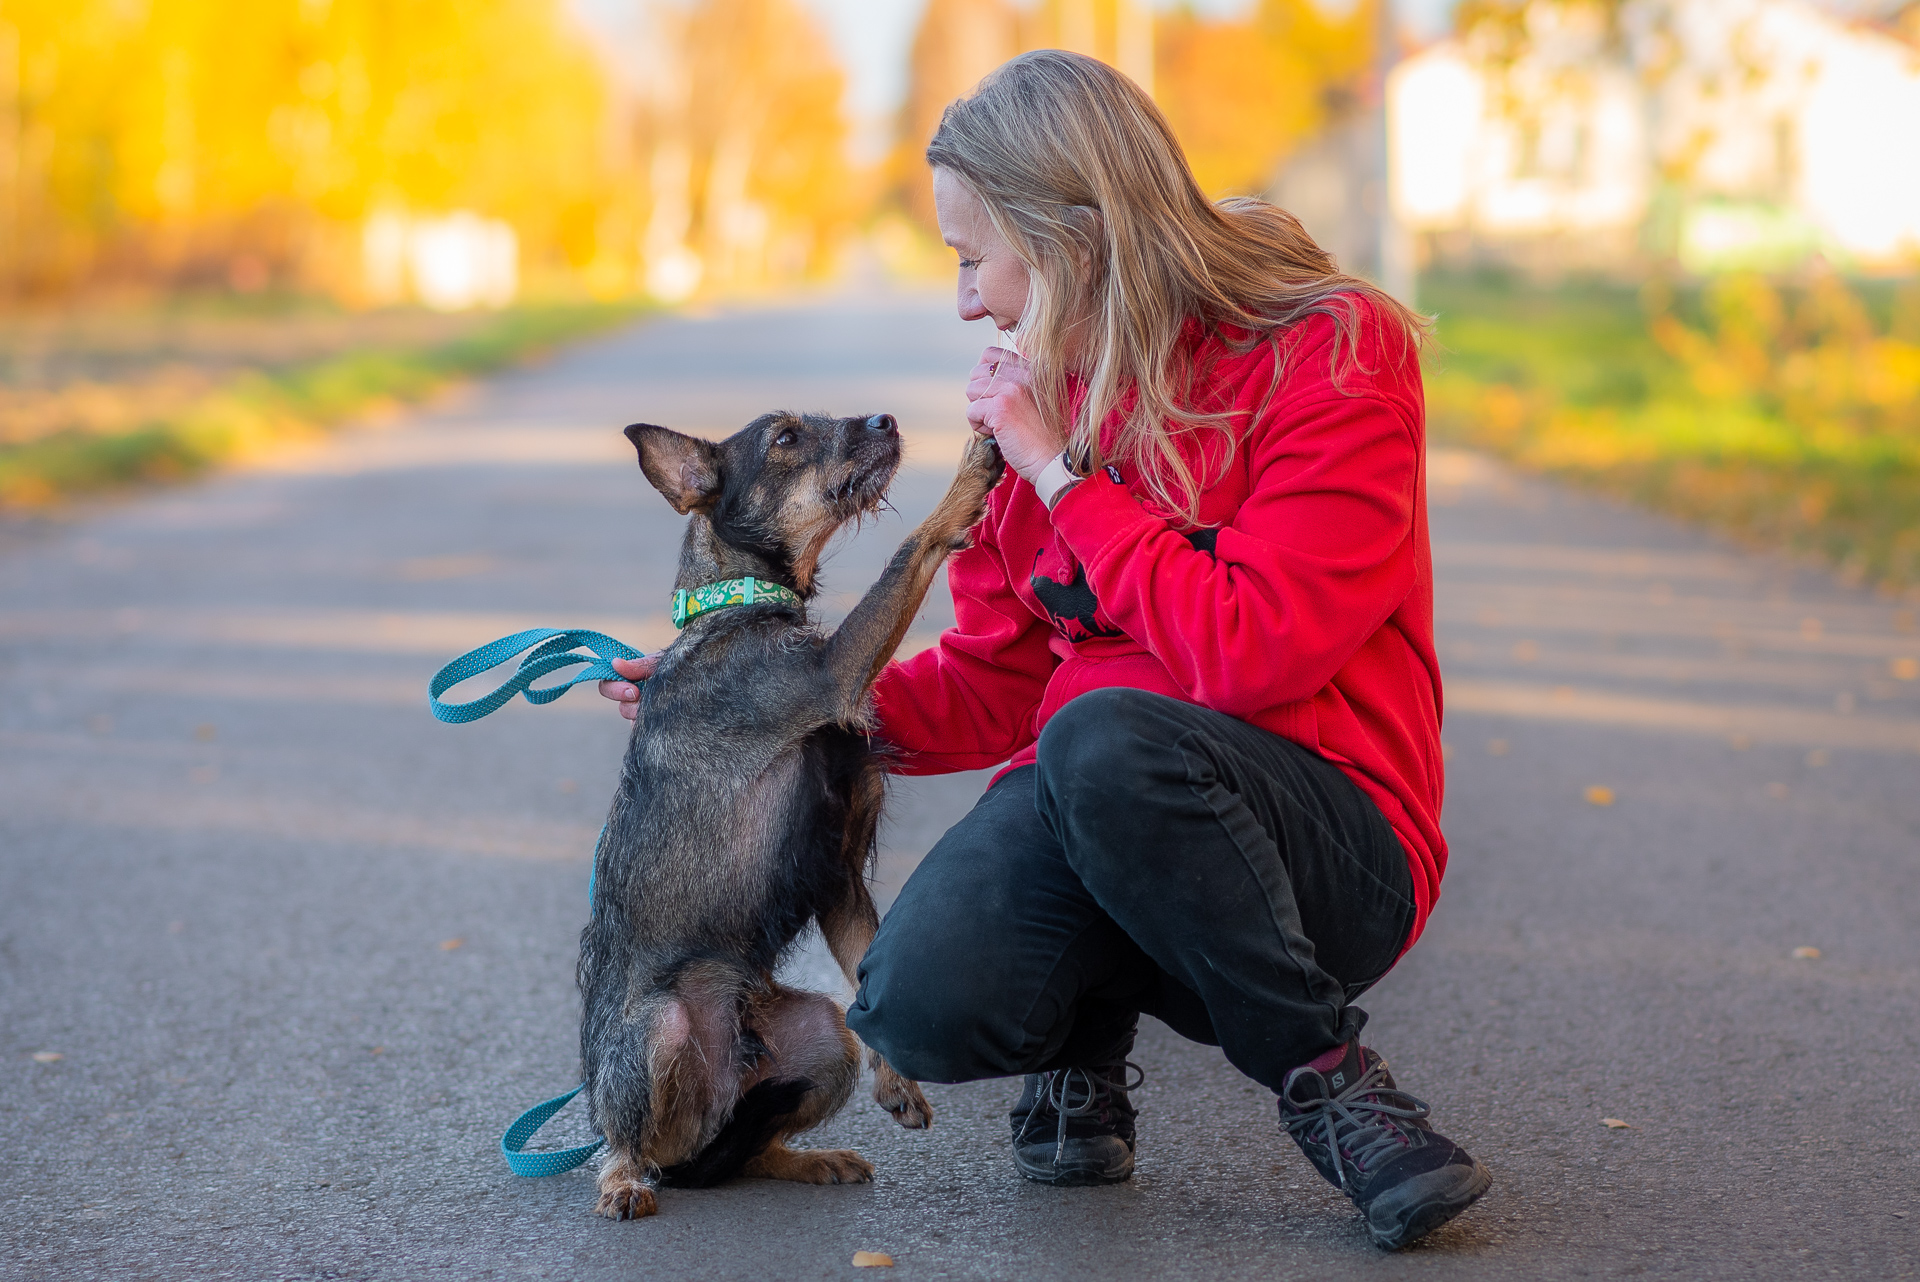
[(553, 649), (549, 1162)]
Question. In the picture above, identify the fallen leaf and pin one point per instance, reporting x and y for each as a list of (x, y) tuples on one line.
[(872, 1260), (1905, 668), (1615, 1124), (1806, 952), (1599, 795), (448, 945), (47, 1057)]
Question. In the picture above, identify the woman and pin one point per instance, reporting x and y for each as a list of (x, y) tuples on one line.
[(1198, 627)]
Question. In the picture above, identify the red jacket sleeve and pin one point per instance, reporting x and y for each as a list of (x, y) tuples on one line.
[(974, 694), (1316, 559)]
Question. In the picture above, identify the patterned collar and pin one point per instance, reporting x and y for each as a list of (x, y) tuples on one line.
[(689, 605)]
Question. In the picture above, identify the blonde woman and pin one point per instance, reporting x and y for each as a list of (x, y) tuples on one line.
[(1196, 625)]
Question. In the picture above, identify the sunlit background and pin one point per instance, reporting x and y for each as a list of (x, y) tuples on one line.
[(1671, 244)]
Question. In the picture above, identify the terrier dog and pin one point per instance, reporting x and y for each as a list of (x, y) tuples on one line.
[(748, 805)]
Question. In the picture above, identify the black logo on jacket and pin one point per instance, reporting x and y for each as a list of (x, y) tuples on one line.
[(1071, 605)]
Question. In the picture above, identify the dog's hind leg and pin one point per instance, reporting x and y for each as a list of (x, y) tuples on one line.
[(655, 1116), (849, 929), (807, 1039)]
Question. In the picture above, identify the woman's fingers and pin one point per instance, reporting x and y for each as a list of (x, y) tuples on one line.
[(627, 693), (636, 669)]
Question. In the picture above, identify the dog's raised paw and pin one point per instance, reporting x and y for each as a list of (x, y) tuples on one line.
[(904, 1100), (627, 1201)]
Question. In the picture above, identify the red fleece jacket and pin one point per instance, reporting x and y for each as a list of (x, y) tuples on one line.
[(1311, 615)]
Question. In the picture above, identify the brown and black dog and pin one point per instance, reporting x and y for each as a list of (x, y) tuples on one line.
[(748, 805)]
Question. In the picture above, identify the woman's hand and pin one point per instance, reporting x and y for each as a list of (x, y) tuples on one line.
[(1001, 405), (627, 693)]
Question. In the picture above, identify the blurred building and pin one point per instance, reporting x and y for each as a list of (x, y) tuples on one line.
[(1718, 133), (451, 263)]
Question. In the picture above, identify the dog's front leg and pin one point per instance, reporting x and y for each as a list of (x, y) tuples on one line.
[(863, 643), (849, 928)]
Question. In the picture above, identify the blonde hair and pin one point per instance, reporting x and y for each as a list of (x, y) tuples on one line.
[(1082, 175)]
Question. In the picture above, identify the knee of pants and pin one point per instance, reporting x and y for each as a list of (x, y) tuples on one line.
[(936, 1021), (1104, 745)]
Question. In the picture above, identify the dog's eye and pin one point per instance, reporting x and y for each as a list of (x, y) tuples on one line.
[(786, 438)]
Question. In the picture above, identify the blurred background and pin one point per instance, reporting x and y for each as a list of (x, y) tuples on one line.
[(1672, 246)]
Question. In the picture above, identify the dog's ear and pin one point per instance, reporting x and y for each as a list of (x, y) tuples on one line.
[(684, 468)]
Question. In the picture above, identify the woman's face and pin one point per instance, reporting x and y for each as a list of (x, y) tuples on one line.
[(993, 280)]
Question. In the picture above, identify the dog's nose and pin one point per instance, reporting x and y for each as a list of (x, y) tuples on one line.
[(884, 423)]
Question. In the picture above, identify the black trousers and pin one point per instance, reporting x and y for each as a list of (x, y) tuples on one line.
[(1158, 857)]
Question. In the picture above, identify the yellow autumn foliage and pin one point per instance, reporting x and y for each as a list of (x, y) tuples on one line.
[(1241, 93), (247, 142)]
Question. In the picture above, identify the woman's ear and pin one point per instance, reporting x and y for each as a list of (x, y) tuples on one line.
[(685, 469)]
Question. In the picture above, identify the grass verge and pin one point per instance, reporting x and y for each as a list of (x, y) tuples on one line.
[(261, 409), (1785, 413)]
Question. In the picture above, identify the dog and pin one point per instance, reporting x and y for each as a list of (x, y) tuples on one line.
[(748, 805)]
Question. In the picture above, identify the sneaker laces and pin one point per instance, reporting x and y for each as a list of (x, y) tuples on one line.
[(1362, 1107), (1056, 1091)]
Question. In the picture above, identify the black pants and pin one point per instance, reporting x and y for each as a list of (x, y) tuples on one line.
[(1158, 857)]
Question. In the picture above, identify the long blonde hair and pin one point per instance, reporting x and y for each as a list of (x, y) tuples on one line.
[(1082, 175)]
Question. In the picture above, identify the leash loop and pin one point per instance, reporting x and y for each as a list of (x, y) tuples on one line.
[(553, 649), (549, 1162)]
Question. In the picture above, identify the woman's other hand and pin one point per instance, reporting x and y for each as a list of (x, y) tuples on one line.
[(627, 693), (1001, 405)]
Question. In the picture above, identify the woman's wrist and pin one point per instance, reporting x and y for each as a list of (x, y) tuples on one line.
[(1054, 480)]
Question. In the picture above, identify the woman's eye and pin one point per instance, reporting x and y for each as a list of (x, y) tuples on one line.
[(785, 438)]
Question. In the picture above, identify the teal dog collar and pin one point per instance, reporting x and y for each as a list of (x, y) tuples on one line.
[(690, 605)]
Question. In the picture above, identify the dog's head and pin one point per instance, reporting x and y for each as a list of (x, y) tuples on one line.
[(778, 489)]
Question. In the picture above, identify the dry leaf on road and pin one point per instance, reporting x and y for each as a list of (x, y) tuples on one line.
[(872, 1260), (1615, 1124), (1600, 796), (1806, 952), (448, 945), (47, 1057)]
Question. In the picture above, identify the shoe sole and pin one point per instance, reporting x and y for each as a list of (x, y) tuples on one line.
[(1072, 1177), (1422, 1218)]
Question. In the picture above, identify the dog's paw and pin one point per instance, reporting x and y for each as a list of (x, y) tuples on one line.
[(903, 1099), (983, 461), (626, 1200), (829, 1166)]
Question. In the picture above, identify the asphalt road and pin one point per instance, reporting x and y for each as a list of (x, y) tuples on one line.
[(280, 955)]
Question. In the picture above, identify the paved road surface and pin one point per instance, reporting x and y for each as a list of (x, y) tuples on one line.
[(302, 951)]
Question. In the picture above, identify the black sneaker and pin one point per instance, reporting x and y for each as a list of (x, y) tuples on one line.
[(1371, 1140), (1075, 1125)]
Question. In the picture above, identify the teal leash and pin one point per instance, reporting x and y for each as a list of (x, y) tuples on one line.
[(553, 649)]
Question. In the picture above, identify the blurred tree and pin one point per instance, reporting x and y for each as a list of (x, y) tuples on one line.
[(1240, 93), (246, 142)]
